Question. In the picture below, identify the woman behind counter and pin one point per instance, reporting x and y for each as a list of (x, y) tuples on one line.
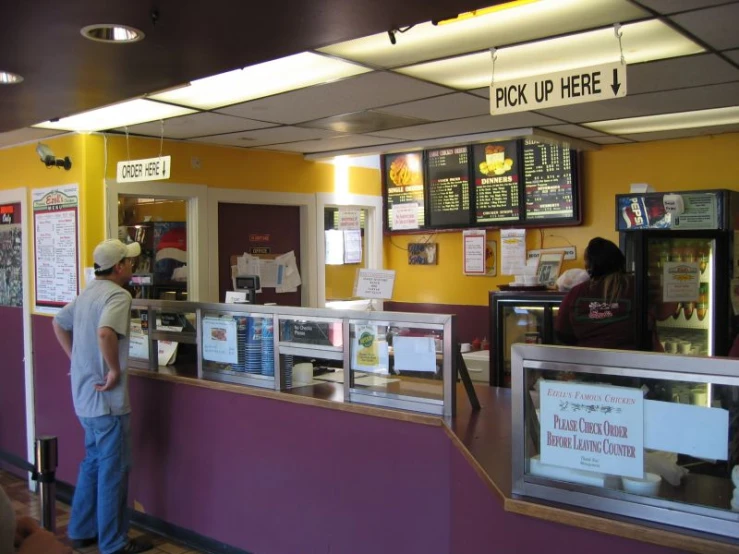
[(600, 313)]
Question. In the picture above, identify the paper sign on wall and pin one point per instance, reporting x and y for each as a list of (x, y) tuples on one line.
[(512, 251), (592, 428), (474, 252), (404, 216)]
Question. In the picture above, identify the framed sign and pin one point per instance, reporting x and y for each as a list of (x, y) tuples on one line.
[(549, 267)]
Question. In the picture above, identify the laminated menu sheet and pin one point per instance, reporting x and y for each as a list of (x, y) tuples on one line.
[(56, 248)]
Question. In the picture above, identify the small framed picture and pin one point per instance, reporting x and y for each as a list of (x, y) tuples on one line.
[(550, 264)]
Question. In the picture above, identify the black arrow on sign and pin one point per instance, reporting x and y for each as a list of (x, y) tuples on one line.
[(616, 85)]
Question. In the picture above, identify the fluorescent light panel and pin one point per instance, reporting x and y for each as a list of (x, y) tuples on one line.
[(289, 73), (514, 25), (668, 122), (124, 114), (644, 41)]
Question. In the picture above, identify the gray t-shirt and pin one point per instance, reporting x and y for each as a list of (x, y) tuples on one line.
[(101, 304)]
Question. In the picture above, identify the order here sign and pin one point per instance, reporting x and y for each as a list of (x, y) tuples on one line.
[(150, 169), (574, 86)]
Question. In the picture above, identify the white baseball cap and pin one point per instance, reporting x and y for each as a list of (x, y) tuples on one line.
[(110, 252)]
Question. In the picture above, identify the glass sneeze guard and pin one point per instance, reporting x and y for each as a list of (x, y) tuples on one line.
[(643, 435), (386, 359)]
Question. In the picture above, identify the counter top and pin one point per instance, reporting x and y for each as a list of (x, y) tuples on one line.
[(484, 438)]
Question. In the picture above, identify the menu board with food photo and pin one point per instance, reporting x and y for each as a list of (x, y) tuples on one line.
[(496, 182), (548, 175), (404, 183), (448, 176)]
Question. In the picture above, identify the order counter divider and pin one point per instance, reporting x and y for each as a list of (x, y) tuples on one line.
[(387, 359)]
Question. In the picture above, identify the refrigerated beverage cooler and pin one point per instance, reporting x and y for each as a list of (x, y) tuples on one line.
[(681, 248), (519, 316)]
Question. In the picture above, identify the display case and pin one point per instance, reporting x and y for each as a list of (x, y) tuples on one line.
[(643, 435), (388, 359), (519, 317)]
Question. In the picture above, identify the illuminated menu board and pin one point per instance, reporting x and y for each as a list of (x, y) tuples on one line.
[(404, 186), (448, 177), (522, 182), (496, 182), (548, 178)]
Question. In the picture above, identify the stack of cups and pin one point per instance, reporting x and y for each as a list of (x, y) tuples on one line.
[(241, 334), (254, 346), (268, 348), (286, 368)]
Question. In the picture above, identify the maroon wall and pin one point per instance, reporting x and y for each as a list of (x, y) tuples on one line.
[(236, 225), (472, 321), (12, 386), (54, 411), (279, 478)]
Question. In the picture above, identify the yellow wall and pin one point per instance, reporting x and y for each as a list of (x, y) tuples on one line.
[(686, 164), (239, 168), (697, 163), (95, 157)]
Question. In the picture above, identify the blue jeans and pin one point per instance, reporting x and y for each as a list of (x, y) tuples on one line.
[(100, 504)]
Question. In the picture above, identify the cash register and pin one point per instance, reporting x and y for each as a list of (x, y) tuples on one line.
[(249, 284)]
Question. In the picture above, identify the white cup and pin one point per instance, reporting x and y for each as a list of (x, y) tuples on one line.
[(465, 347), (671, 346), (684, 347)]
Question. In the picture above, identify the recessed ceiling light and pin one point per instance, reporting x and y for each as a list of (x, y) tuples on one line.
[(124, 114), (668, 121), (118, 34), (8, 78)]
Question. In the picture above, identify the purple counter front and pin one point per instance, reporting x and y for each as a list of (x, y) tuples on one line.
[(275, 477)]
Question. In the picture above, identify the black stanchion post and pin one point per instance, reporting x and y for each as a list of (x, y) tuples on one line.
[(46, 463)]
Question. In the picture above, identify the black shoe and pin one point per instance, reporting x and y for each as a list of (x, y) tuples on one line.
[(83, 543), (139, 544)]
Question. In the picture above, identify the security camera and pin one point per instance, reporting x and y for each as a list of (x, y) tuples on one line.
[(47, 157), (45, 153)]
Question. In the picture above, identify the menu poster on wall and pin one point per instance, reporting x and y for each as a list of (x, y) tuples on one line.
[(448, 177), (55, 245), (11, 255), (592, 428), (404, 182), (496, 182), (548, 176)]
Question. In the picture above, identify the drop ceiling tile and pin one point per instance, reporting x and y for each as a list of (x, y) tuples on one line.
[(715, 26), (688, 71), (676, 6), (441, 108), (574, 131), (608, 140), (698, 98), (348, 95), (733, 55), (469, 125), (19, 136), (274, 135), (331, 144), (682, 133), (196, 125)]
